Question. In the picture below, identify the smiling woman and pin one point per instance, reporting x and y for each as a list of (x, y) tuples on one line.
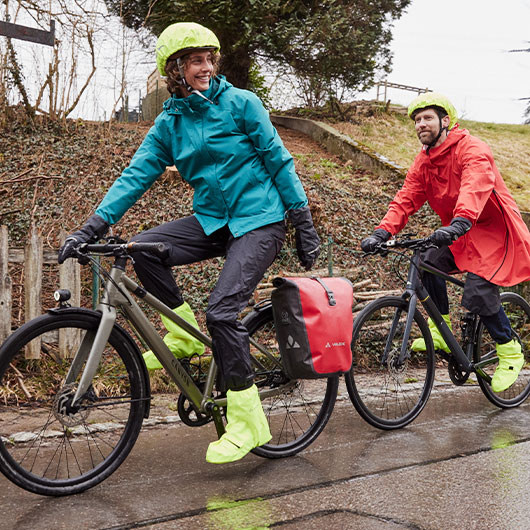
[(223, 144), (188, 57)]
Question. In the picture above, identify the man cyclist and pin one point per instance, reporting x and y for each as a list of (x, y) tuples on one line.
[(221, 140), (483, 232)]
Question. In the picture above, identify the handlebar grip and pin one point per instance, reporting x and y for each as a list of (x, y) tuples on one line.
[(158, 249)]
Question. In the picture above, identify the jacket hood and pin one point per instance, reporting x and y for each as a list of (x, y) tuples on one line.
[(175, 105)]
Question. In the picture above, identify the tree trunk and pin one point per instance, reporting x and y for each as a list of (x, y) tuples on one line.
[(235, 65)]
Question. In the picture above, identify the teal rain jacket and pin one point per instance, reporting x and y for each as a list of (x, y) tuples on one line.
[(230, 153)]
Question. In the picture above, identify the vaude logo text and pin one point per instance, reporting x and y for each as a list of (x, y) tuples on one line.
[(335, 344)]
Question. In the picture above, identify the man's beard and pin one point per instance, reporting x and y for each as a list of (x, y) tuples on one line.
[(426, 137)]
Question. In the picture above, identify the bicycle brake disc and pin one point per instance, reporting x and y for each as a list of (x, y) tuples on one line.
[(63, 411)]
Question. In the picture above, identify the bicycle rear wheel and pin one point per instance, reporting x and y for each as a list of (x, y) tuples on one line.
[(297, 415), (46, 445), (518, 311), (386, 393)]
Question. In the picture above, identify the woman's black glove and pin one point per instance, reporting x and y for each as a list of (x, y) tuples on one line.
[(446, 235), (307, 240), (380, 235), (93, 230)]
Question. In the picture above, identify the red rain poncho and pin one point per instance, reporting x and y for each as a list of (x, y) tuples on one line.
[(459, 178)]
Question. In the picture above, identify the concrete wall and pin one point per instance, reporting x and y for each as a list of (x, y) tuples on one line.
[(342, 145), (347, 148)]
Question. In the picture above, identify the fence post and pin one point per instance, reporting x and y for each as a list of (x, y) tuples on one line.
[(33, 258), (5, 286), (69, 278)]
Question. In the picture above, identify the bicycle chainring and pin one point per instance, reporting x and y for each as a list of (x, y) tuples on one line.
[(189, 414), (455, 374)]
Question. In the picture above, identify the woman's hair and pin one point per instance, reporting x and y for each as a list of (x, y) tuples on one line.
[(173, 80)]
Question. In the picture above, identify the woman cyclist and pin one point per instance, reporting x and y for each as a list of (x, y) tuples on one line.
[(223, 144)]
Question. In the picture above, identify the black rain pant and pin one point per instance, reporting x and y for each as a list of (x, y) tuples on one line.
[(480, 296), (246, 260)]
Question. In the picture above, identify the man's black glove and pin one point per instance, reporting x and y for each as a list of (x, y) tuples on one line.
[(307, 240), (446, 235), (93, 230), (380, 235)]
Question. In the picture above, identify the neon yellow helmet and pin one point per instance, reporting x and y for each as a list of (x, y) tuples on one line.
[(433, 99), (181, 37)]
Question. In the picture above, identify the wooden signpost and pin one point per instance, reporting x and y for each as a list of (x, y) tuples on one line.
[(16, 31)]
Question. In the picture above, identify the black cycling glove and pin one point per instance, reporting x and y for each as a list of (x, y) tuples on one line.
[(93, 230), (380, 235), (306, 237), (446, 235)]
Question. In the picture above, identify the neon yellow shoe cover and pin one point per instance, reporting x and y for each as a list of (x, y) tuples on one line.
[(180, 343), (246, 427), (439, 342), (511, 360)]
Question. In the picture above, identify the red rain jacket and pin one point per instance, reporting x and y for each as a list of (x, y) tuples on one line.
[(459, 178)]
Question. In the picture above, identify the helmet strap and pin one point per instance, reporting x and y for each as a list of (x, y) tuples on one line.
[(183, 81), (186, 85)]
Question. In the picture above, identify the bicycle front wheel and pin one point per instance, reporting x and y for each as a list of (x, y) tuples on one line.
[(298, 414), (518, 311), (388, 392), (48, 446)]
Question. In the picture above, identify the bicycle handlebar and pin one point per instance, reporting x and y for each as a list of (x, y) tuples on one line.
[(406, 242), (123, 249)]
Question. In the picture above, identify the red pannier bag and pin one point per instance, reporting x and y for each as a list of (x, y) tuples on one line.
[(314, 323)]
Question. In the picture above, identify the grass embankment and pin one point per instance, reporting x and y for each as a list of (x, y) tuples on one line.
[(393, 136)]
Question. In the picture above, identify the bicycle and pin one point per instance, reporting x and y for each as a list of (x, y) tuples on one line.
[(388, 383), (75, 390)]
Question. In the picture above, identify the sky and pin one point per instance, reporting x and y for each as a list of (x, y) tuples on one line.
[(457, 47), (460, 48)]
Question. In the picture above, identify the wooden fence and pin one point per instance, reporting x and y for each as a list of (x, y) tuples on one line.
[(33, 257)]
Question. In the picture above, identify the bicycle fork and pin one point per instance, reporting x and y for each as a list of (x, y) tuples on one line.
[(406, 334)]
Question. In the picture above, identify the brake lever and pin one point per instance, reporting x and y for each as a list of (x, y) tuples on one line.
[(81, 256)]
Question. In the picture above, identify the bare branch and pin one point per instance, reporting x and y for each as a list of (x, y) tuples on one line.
[(83, 88)]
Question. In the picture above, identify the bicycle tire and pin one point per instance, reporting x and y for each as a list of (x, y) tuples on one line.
[(385, 395), (297, 416), (45, 447), (518, 311)]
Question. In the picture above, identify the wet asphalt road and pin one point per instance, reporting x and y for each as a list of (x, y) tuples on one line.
[(462, 464)]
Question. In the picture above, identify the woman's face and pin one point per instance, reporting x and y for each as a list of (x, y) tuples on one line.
[(198, 70)]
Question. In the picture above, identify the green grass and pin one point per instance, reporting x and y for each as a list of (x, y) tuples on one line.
[(393, 136)]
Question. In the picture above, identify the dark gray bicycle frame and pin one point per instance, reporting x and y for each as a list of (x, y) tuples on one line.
[(415, 291), (117, 294)]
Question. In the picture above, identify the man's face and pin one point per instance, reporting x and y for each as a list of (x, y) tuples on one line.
[(427, 126)]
